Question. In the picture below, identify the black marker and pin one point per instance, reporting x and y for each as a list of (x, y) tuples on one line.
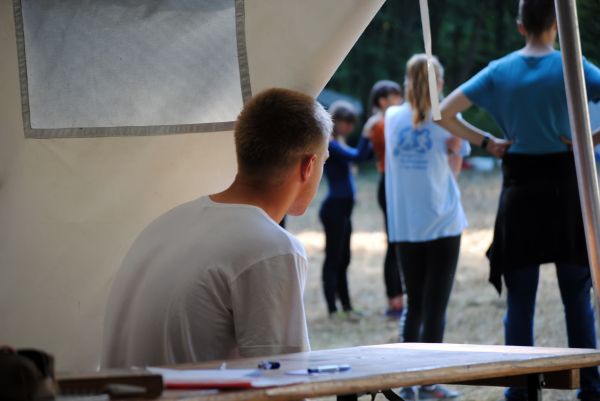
[(269, 365)]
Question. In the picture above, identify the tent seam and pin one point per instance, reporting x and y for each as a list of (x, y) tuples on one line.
[(240, 24)]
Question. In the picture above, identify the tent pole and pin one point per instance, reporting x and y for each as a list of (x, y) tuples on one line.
[(583, 148)]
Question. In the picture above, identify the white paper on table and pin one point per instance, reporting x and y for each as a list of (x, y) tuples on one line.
[(276, 381), (206, 375), (222, 376)]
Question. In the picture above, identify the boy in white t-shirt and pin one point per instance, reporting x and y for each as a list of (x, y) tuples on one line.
[(217, 277)]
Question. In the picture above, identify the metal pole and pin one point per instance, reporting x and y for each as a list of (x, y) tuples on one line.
[(568, 30)]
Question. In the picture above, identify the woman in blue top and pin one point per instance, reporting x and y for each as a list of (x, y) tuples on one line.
[(337, 208), (539, 216), (425, 215)]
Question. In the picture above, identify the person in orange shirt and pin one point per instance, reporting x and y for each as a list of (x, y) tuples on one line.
[(385, 94)]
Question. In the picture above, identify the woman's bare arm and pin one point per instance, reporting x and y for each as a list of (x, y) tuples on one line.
[(455, 161), (454, 104), (454, 158)]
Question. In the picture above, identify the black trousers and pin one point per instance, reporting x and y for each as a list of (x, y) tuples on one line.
[(392, 274), (335, 215), (429, 269)]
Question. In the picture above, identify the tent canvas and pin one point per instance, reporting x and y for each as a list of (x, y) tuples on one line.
[(70, 207)]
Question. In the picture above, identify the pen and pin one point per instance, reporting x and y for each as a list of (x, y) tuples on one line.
[(269, 365), (329, 369)]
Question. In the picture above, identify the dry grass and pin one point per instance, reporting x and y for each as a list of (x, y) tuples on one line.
[(475, 312)]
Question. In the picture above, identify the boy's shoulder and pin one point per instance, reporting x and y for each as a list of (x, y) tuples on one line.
[(238, 233)]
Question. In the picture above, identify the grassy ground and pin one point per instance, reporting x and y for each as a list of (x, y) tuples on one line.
[(475, 311)]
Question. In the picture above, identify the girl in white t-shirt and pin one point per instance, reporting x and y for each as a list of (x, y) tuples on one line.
[(425, 216)]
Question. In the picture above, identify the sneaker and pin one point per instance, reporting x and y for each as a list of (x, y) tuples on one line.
[(353, 316), (345, 316), (408, 394), (436, 392), (394, 314), (336, 316)]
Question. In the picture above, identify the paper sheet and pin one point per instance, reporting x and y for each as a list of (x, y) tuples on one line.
[(220, 378), (205, 375)]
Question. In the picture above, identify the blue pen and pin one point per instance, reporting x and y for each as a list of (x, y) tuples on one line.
[(329, 369)]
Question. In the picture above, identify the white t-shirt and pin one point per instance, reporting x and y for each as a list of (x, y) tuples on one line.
[(207, 281), (423, 198)]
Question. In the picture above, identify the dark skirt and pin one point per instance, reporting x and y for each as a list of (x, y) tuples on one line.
[(539, 215)]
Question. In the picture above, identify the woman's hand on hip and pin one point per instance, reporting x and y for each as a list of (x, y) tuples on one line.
[(569, 142), (497, 147)]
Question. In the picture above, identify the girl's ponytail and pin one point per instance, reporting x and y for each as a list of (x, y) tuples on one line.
[(416, 85)]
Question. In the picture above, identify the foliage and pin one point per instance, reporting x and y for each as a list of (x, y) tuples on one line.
[(466, 34)]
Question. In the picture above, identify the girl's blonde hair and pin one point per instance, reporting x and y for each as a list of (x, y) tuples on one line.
[(416, 85)]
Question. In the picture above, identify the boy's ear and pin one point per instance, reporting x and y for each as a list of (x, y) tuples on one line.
[(307, 166), (521, 29)]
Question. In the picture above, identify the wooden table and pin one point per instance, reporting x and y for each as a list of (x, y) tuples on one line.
[(383, 367)]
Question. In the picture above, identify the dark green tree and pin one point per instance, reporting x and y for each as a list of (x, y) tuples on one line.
[(466, 34)]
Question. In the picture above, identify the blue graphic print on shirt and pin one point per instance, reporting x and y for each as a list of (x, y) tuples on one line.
[(412, 145), (413, 140)]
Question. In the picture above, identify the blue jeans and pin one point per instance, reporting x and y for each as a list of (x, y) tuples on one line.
[(575, 285)]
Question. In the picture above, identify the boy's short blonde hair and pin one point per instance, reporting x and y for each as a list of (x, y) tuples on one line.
[(276, 128)]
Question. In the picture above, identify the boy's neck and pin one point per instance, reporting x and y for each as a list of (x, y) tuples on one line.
[(275, 201)]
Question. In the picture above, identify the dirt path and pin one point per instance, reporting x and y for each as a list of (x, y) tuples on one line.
[(475, 312)]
